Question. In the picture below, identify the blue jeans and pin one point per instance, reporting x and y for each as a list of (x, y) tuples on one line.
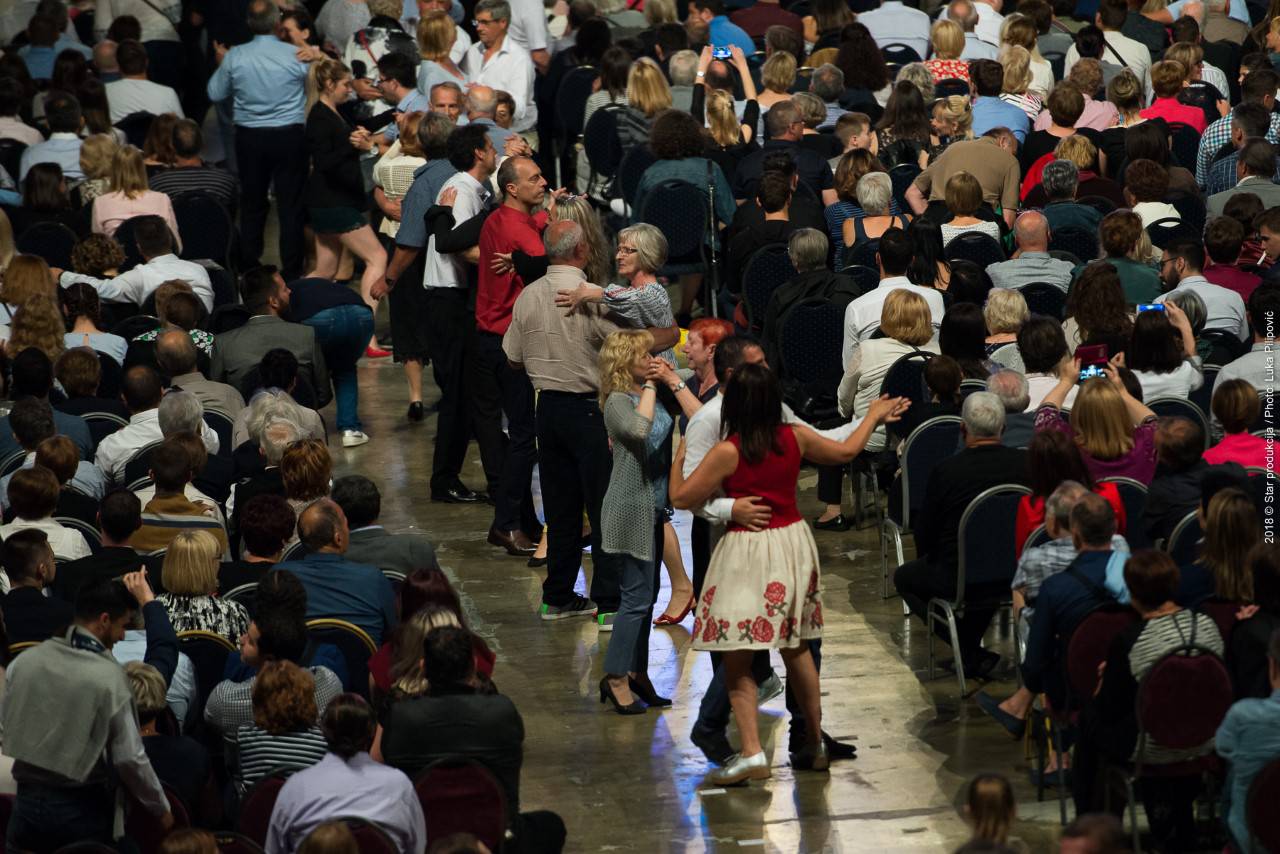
[(343, 332), (629, 646), (46, 818)]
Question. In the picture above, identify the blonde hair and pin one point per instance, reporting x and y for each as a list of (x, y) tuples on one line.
[(1017, 69), (1006, 310), (436, 35), (8, 249), (1078, 149), (26, 276), (128, 172), (905, 317), (660, 12), (599, 248), (1021, 30), (406, 674), (1101, 422), (722, 118), (778, 74), (621, 350), (1190, 55), (647, 88), (409, 144), (323, 74), (1232, 527), (96, 154), (191, 564), (38, 323), (957, 109), (948, 39), (148, 688)]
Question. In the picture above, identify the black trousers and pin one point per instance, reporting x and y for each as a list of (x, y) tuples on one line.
[(574, 463), (450, 323), (496, 388), (831, 484), (919, 581), (700, 549), (537, 832), (267, 156)]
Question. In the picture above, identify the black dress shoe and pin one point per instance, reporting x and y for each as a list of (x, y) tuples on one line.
[(837, 523), (515, 542), (415, 411), (713, 744), (458, 494), (796, 744), (536, 562)]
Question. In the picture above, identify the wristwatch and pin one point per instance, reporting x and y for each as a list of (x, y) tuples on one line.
[(701, 74), (679, 387)]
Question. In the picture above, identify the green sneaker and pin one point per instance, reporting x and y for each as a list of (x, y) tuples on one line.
[(605, 621)]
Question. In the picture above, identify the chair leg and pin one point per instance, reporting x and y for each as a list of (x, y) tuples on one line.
[(1042, 760), (955, 648), (1056, 733), (1130, 790), (928, 626)]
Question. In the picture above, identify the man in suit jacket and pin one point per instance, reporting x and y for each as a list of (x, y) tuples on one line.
[(240, 350), (370, 542), (1255, 170), (1014, 392), (176, 354), (983, 463)]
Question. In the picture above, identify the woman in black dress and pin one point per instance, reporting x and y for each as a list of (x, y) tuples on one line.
[(336, 200)]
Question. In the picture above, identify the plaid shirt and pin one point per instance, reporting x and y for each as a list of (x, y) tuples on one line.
[(1217, 135), (230, 706), (1222, 174), (1040, 562)]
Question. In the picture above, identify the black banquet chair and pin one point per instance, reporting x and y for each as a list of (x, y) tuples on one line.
[(680, 211), (1046, 299), (982, 249), (207, 229), (768, 268), (1080, 242), (51, 241)]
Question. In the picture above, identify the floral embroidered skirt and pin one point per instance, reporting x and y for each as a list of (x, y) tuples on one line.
[(763, 591)]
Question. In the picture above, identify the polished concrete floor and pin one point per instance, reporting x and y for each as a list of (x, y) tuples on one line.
[(637, 783)]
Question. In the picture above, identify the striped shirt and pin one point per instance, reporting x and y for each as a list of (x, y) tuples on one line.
[(1158, 638), (647, 305), (260, 752), (219, 183)]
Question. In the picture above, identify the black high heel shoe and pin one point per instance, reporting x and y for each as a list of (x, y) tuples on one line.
[(635, 708), (647, 693)]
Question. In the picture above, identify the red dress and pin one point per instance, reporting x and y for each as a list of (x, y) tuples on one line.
[(763, 588)]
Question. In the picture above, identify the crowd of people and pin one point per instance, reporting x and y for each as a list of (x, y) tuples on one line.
[(1045, 223)]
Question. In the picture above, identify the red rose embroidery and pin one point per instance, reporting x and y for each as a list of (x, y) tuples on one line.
[(775, 593), (815, 619), (813, 584), (697, 626), (709, 633), (787, 629), (709, 596), (762, 630)]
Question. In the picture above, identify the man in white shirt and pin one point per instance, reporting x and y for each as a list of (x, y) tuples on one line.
[(1119, 49), (894, 21), (1180, 269), (862, 316), (155, 243), (151, 412), (498, 61), (134, 93), (980, 17), (529, 30)]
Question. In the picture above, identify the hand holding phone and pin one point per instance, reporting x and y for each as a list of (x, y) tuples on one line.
[(720, 52), (1150, 306), (1093, 360)]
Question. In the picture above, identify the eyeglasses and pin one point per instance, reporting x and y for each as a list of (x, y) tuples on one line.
[(627, 250), (483, 22)]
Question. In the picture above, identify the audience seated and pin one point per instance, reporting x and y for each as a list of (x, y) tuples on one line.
[(278, 378), (275, 437), (1181, 267), (160, 264), (211, 476), (181, 762), (1043, 348), (1032, 262), (171, 511), (176, 355), (1061, 183), (1236, 408), (1176, 489), (370, 542), (1249, 739), (1223, 242), (33, 423), (1162, 353), (1015, 395), (33, 377), (1054, 458), (80, 374), (151, 411), (59, 455), (1231, 526), (1125, 247), (862, 317), (177, 309), (1256, 366), (32, 495), (283, 734), (942, 378), (1114, 431), (119, 515), (29, 614), (266, 523), (190, 575)]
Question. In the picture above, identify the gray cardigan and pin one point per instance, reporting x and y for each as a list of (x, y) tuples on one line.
[(627, 515)]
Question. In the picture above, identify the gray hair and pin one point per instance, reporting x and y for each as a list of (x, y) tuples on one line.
[(827, 82), (1012, 389), (181, 412), (918, 75), (264, 17), (780, 117), (571, 237), (650, 245), (682, 68), (875, 192), (269, 404), (813, 111), (1062, 501), (807, 249), (1060, 179), (447, 84), (1192, 306), (983, 415), (499, 9), (276, 437), (481, 99), (433, 134)]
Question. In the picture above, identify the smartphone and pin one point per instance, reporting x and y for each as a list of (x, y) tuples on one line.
[(1093, 359), (1151, 306), (720, 52)]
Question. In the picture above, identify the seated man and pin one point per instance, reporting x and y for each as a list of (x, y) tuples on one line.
[(59, 455), (266, 523), (149, 406), (33, 496), (33, 377), (337, 587), (1061, 180), (80, 374), (200, 462), (1032, 263), (33, 422), (370, 542), (150, 637), (171, 511), (1249, 739), (119, 515), (347, 782), (30, 615), (455, 719), (160, 264), (190, 174), (1223, 240), (176, 354), (983, 463), (1176, 489), (807, 249), (1015, 395), (1061, 594)]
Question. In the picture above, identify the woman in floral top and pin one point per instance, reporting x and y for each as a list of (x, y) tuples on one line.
[(948, 43), (190, 580)]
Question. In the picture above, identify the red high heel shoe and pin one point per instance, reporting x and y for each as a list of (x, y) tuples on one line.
[(378, 353), (665, 620)]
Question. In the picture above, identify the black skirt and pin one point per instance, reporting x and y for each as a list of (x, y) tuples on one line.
[(406, 307)]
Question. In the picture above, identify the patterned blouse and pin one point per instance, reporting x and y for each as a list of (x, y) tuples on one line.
[(948, 69), (1028, 102), (199, 337), (205, 613)]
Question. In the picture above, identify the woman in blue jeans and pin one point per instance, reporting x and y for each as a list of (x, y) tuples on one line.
[(343, 325)]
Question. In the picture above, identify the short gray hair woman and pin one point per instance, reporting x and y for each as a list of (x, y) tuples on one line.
[(875, 194), (649, 243), (807, 249), (274, 405), (1192, 305)]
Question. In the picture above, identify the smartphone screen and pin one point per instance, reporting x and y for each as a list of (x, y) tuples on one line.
[(1093, 358), (1151, 306), (720, 52)]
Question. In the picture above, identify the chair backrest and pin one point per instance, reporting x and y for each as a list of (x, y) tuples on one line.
[(224, 425), (1223, 615), (1089, 645), (899, 53), (1190, 207), (105, 418), (768, 268), (1182, 543), (901, 176), (679, 210), (13, 462), (1167, 229), (968, 387), (207, 228), (370, 838), (866, 278), (864, 255), (355, 645), (1133, 495), (601, 143), (905, 378), (1038, 537), (1184, 697), (294, 551), (139, 458), (1009, 356), (929, 444), (1261, 815), (987, 545), (245, 594), (21, 646), (1101, 204), (950, 86), (11, 156), (131, 327), (1046, 299), (462, 796), (91, 536), (1181, 408), (208, 652), (982, 249), (144, 828), (637, 159), (256, 807), (1057, 61), (136, 126), (1185, 142), (571, 100), (1078, 241), (812, 336), (1203, 396), (52, 241)]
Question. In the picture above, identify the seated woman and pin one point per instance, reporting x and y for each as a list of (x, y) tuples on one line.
[(176, 311), (1097, 310), (963, 336), (952, 121), (37, 323), (83, 311), (96, 153), (97, 256), (1109, 726), (130, 196), (33, 498), (947, 39), (942, 377), (1247, 652), (1020, 31), (813, 112), (1052, 459), (1005, 312), (1018, 80), (875, 196), (158, 153), (1162, 353), (850, 170), (823, 26), (730, 138), (1114, 431), (778, 76), (1232, 526), (903, 132), (284, 732), (306, 470), (44, 199), (181, 762), (964, 198), (190, 578), (1236, 407)]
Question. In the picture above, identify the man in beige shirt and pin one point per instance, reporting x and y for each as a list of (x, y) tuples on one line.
[(558, 351), (990, 158)]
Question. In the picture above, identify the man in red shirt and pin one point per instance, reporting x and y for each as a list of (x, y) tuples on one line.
[(495, 387), (1168, 78)]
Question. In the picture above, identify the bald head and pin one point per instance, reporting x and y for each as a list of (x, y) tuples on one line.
[(565, 244), (322, 527), (104, 57), (482, 102), (1032, 232), (176, 353)]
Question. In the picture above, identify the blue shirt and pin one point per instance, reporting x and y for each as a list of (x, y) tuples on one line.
[(498, 136), (1248, 738), (355, 592), (990, 112), (428, 180), (414, 102), (1238, 11), (71, 426), (266, 81), (60, 148), (723, 32)]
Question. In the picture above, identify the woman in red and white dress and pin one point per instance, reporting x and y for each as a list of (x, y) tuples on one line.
[(763, 589)]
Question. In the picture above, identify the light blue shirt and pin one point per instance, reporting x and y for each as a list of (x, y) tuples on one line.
[(414, 102), (88, 479), (1238, 11), (181, 695), (1248, 738), (60, 148), (990, 112), (266, 82), (976, 48), (498, 136), (724, 32)]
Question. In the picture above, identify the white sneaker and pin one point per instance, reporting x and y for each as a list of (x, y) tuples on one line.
[(352, 438)]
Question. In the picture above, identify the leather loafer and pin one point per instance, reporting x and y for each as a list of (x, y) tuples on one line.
[(515, 542), (458, 494)]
